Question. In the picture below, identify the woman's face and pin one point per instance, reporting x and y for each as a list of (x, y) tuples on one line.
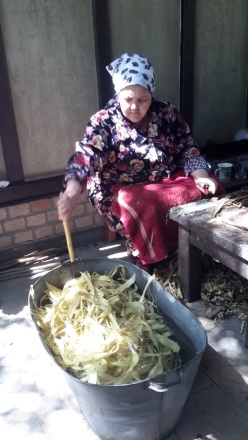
[(135, 102)]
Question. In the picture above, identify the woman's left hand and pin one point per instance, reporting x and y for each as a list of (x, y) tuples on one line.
[(206, 185)]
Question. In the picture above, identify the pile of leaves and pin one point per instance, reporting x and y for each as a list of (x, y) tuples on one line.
[(224, 292)]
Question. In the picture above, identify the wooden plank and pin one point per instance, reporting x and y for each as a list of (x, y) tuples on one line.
[(246, 107), (102, 41), (195, 425), (225, 420), (220, 371), (214, 409), (187, 60), (230, 238), (97, 43), (209, 416), (27, 191), (8, 130)]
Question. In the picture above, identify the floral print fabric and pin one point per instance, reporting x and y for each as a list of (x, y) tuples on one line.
[(113, 153)]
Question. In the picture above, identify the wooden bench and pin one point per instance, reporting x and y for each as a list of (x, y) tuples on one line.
[(196, 235)]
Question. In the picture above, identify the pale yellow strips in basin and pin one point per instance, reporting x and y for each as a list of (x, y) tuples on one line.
[(101, 330)]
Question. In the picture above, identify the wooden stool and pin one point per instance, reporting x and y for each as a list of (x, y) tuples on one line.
[(111, 235)]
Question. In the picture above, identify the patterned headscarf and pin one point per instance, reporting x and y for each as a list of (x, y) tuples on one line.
[(132, 69)]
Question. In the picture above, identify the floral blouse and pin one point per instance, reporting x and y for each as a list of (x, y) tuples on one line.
[(114, 153)]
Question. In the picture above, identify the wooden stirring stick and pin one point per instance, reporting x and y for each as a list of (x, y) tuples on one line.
[(69, 241)]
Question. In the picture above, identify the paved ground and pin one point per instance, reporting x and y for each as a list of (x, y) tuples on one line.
[(36, 402)]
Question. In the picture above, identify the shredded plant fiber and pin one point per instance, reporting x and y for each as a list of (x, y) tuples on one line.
[(102, 331)]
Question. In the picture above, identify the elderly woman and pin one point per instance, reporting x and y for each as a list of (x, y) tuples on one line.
[(138, 159)]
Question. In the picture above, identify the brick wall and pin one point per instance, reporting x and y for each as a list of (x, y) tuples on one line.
[(38, 220)]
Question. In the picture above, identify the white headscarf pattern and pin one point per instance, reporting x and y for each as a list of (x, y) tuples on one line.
[(132, 69)]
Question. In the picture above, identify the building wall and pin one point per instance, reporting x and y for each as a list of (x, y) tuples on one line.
[(221, 61), (151, 29), (221, 56), (56, 55), (52, 70), (37, 221)]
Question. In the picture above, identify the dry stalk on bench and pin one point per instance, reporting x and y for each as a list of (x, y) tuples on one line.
[(236, 199)]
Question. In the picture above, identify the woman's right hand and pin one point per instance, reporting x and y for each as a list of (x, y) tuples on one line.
[(68, 200)]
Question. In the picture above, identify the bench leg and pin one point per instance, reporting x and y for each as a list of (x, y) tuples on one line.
[(189, 266), (246, 335)]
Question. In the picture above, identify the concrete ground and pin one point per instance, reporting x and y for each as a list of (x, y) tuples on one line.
[(37, 404)]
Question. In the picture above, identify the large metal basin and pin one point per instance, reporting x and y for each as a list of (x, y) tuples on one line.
[(148, 409)]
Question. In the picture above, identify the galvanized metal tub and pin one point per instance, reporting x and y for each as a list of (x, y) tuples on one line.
[(147, 409)]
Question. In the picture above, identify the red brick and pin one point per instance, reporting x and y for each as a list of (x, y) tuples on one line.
[(80, 210), (84, 197), (36, 220), (3, 213), (21, 237), (73, 227), (46, 231), (59, 229), (98, 219), (14, 225), (5, 241), (19, 210), (90, 208), (54, 202), (83, 222), (52, 216), (40, 205)]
